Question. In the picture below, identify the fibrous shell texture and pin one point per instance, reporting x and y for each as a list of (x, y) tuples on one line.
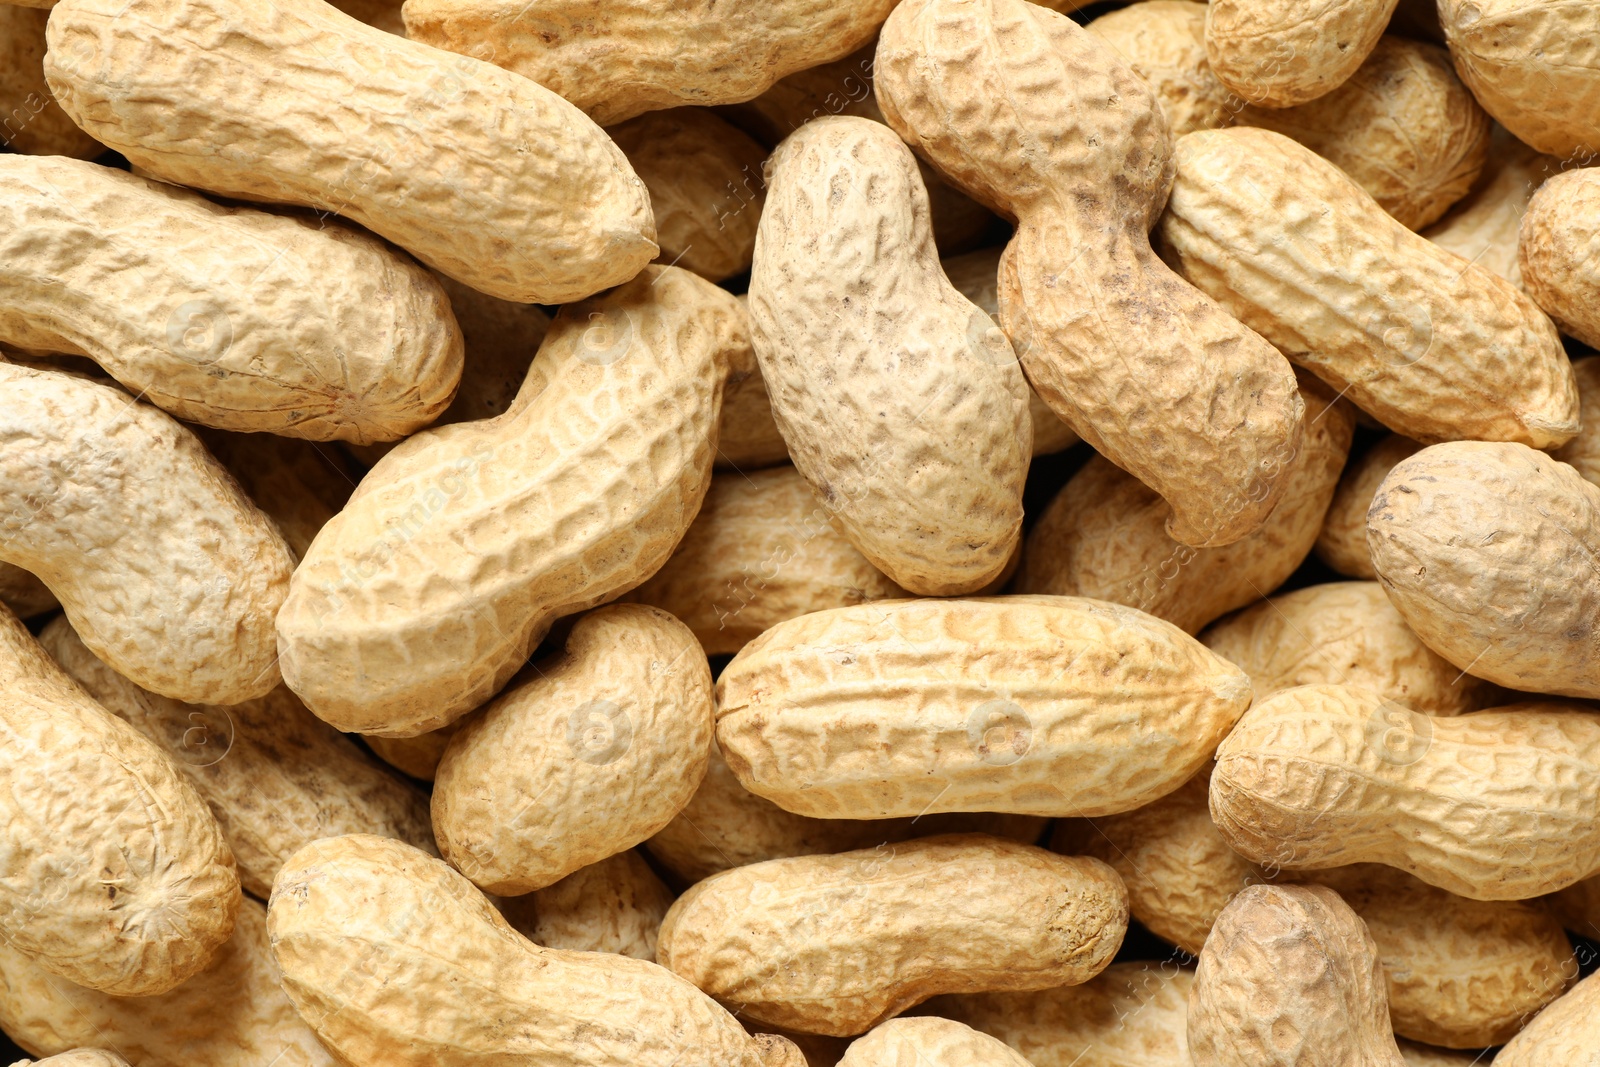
[(1482, 228), (615, 905), (427, 592), (34, 122), (1567, 1032), (1342, 544), (928, 1041), (1277, 53), (477, 172), (1039, 119), (1559, 250)]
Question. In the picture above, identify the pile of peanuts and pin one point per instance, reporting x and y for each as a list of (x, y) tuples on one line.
[(521, 542)]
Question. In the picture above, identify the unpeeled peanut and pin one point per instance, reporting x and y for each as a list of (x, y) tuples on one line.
[(1482, 227), (928, 1041), (1559, 250), (1567, 1032), (1342, 544), (1164, 41), (615, 905), (1277, 53), (1582, 453), (84, 1057)]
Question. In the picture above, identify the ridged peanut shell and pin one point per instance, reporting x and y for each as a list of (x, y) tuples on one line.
[(1342, 544), (1164, 41), (1559, 249), (417, 756), (928, 1041), (615, 905), (297, 484), (1567, 1032), (477, 172), (837, 944), (34, 122), (1483, 226), (1277, 53)]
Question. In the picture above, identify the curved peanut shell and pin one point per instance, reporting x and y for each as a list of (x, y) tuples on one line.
[(1491, 805), (1105, 534), (1559, 250), (427, 592), (1278, 53), (1430, 345), (1416, 1055), (473, 989), (23, 594), (1482, 228), (901, 402), (34, 123), (164, 567), (273, 774), (1487, 550), (747, 437), (1029, 704), (113, 874), (417, 756), (615, 905), (591, 754), (83, 1057), (1290, 978), (298, 485), (1567, 1032), (1035, 117), (318, 109), (1582, 453), (1164, 41), (927, 1041), (1342, 544), (837, 944)]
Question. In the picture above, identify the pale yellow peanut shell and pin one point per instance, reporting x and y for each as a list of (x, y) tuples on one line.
[(1533, 66), (427, 592), (928, 1041), (1490, 805), (1276, 53), (1164, 41), (590, 754), (1017, 105), (1416, 1055), (761, 551), (164, 567), (1559, 248), (1344, 633), (231, 1015), (1578, 907), (1483, 226), (1105, 534), (837, 944), (1487, 550), (615, 905), (1342, 545), (273, 774), (1566, 1033), (24, 594), (777, 1050), (1582, 453), (637, 55), (477, 172), (1130, 1015), (298, 484), (395, 960), (113, 875), (83, 1057), (417, 756), (901, 402), (1290, 978), (1027, 704), (1430, 345), (32, 120)]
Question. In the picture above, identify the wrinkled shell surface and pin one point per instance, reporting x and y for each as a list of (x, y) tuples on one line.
[(1342, 544), (929, 1042), (615, 905), (1482, 228), (417, 756), (1279, 53), (34, 122), (1567, 1032), (298, 484), (1583, 451), (1559, 250), (1164, 41)]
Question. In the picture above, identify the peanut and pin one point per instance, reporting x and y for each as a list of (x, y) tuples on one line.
[(929, 1042), (23, 594), (837, 944), (83, 1057), (1431, 346), (1567, 1032), (1582, 453), (615, 905), (417, 756), (776, 1050), (1416, 1055), (427, 592), (1342, 544), (1034, 705), (167, 572), (1483, 226), (296, 484), (479, 173), (1559, 250), (748, 438), (1038, 119), (1578, 907), (33, 122), (1164, 41), (1279, 54)]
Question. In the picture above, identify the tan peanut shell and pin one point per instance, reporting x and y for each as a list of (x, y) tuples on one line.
[(113, 873), (1105, 534), (1290, 978), (32, 120), (298, 484), (777, 1050), (639, 56), (761, 551), (614, 905), (1483, 227), (83, 1057), (928, 1041), (1559, 248), (1342, 545), (1582, 453), (166, 570), (1491, 805), (474, 990), (901, 402), (23, 594), (748, 438), (1343, 633), (1534, 66), (1164, 41), (1428, 344), (428, 591), (231, 1015), (1487, 550), (1132, 1014), (1578, 907), (417, 756), (1276, 53), (1018, 106), (273, 774), (592, 753), (837, 944), (1027, 704), (1567, 1032), (1416, 1055), (321, 110)]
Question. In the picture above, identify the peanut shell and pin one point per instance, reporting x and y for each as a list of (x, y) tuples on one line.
[(1482, 228), (417, 756), (615, 905), (1582, 453), (83, 1057), (1164, 41), (1342, 544), (1559, 250), (927, 1041), (1416, 1055), (1567, 1032), (1279, 54), (34, 122)]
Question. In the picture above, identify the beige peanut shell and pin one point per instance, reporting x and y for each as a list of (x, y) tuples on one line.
[(928, 1041), (1567, 1032), (1559, 249), (837, 944), (1164, 41), (1418, 1055), (1018, 106), (615, 905), (298, 484), (1483, 226), (23, 594), (1578, 907), (1026, 704), (33, 122), (164, 567), (428, 591), (1582, 453), (776, 1050), (474, 989), (321, 110), (748, 438), (1276, 53), (589, 755), (1342, 544), (417, 756), (83, 1057), (1429, 345)]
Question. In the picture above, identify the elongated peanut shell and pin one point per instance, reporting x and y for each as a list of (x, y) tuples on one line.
[(477, 172), (1492, 805), (836, 944), (473, 989), (1430, 345), (1559, 250), (1033, 116), (928, 1041), (34, 122), (1567, 1032), (427, 592), (1342, 544), (167, 572), (615, 905), (1483, 227), (1487, 550), (1276, 53)]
